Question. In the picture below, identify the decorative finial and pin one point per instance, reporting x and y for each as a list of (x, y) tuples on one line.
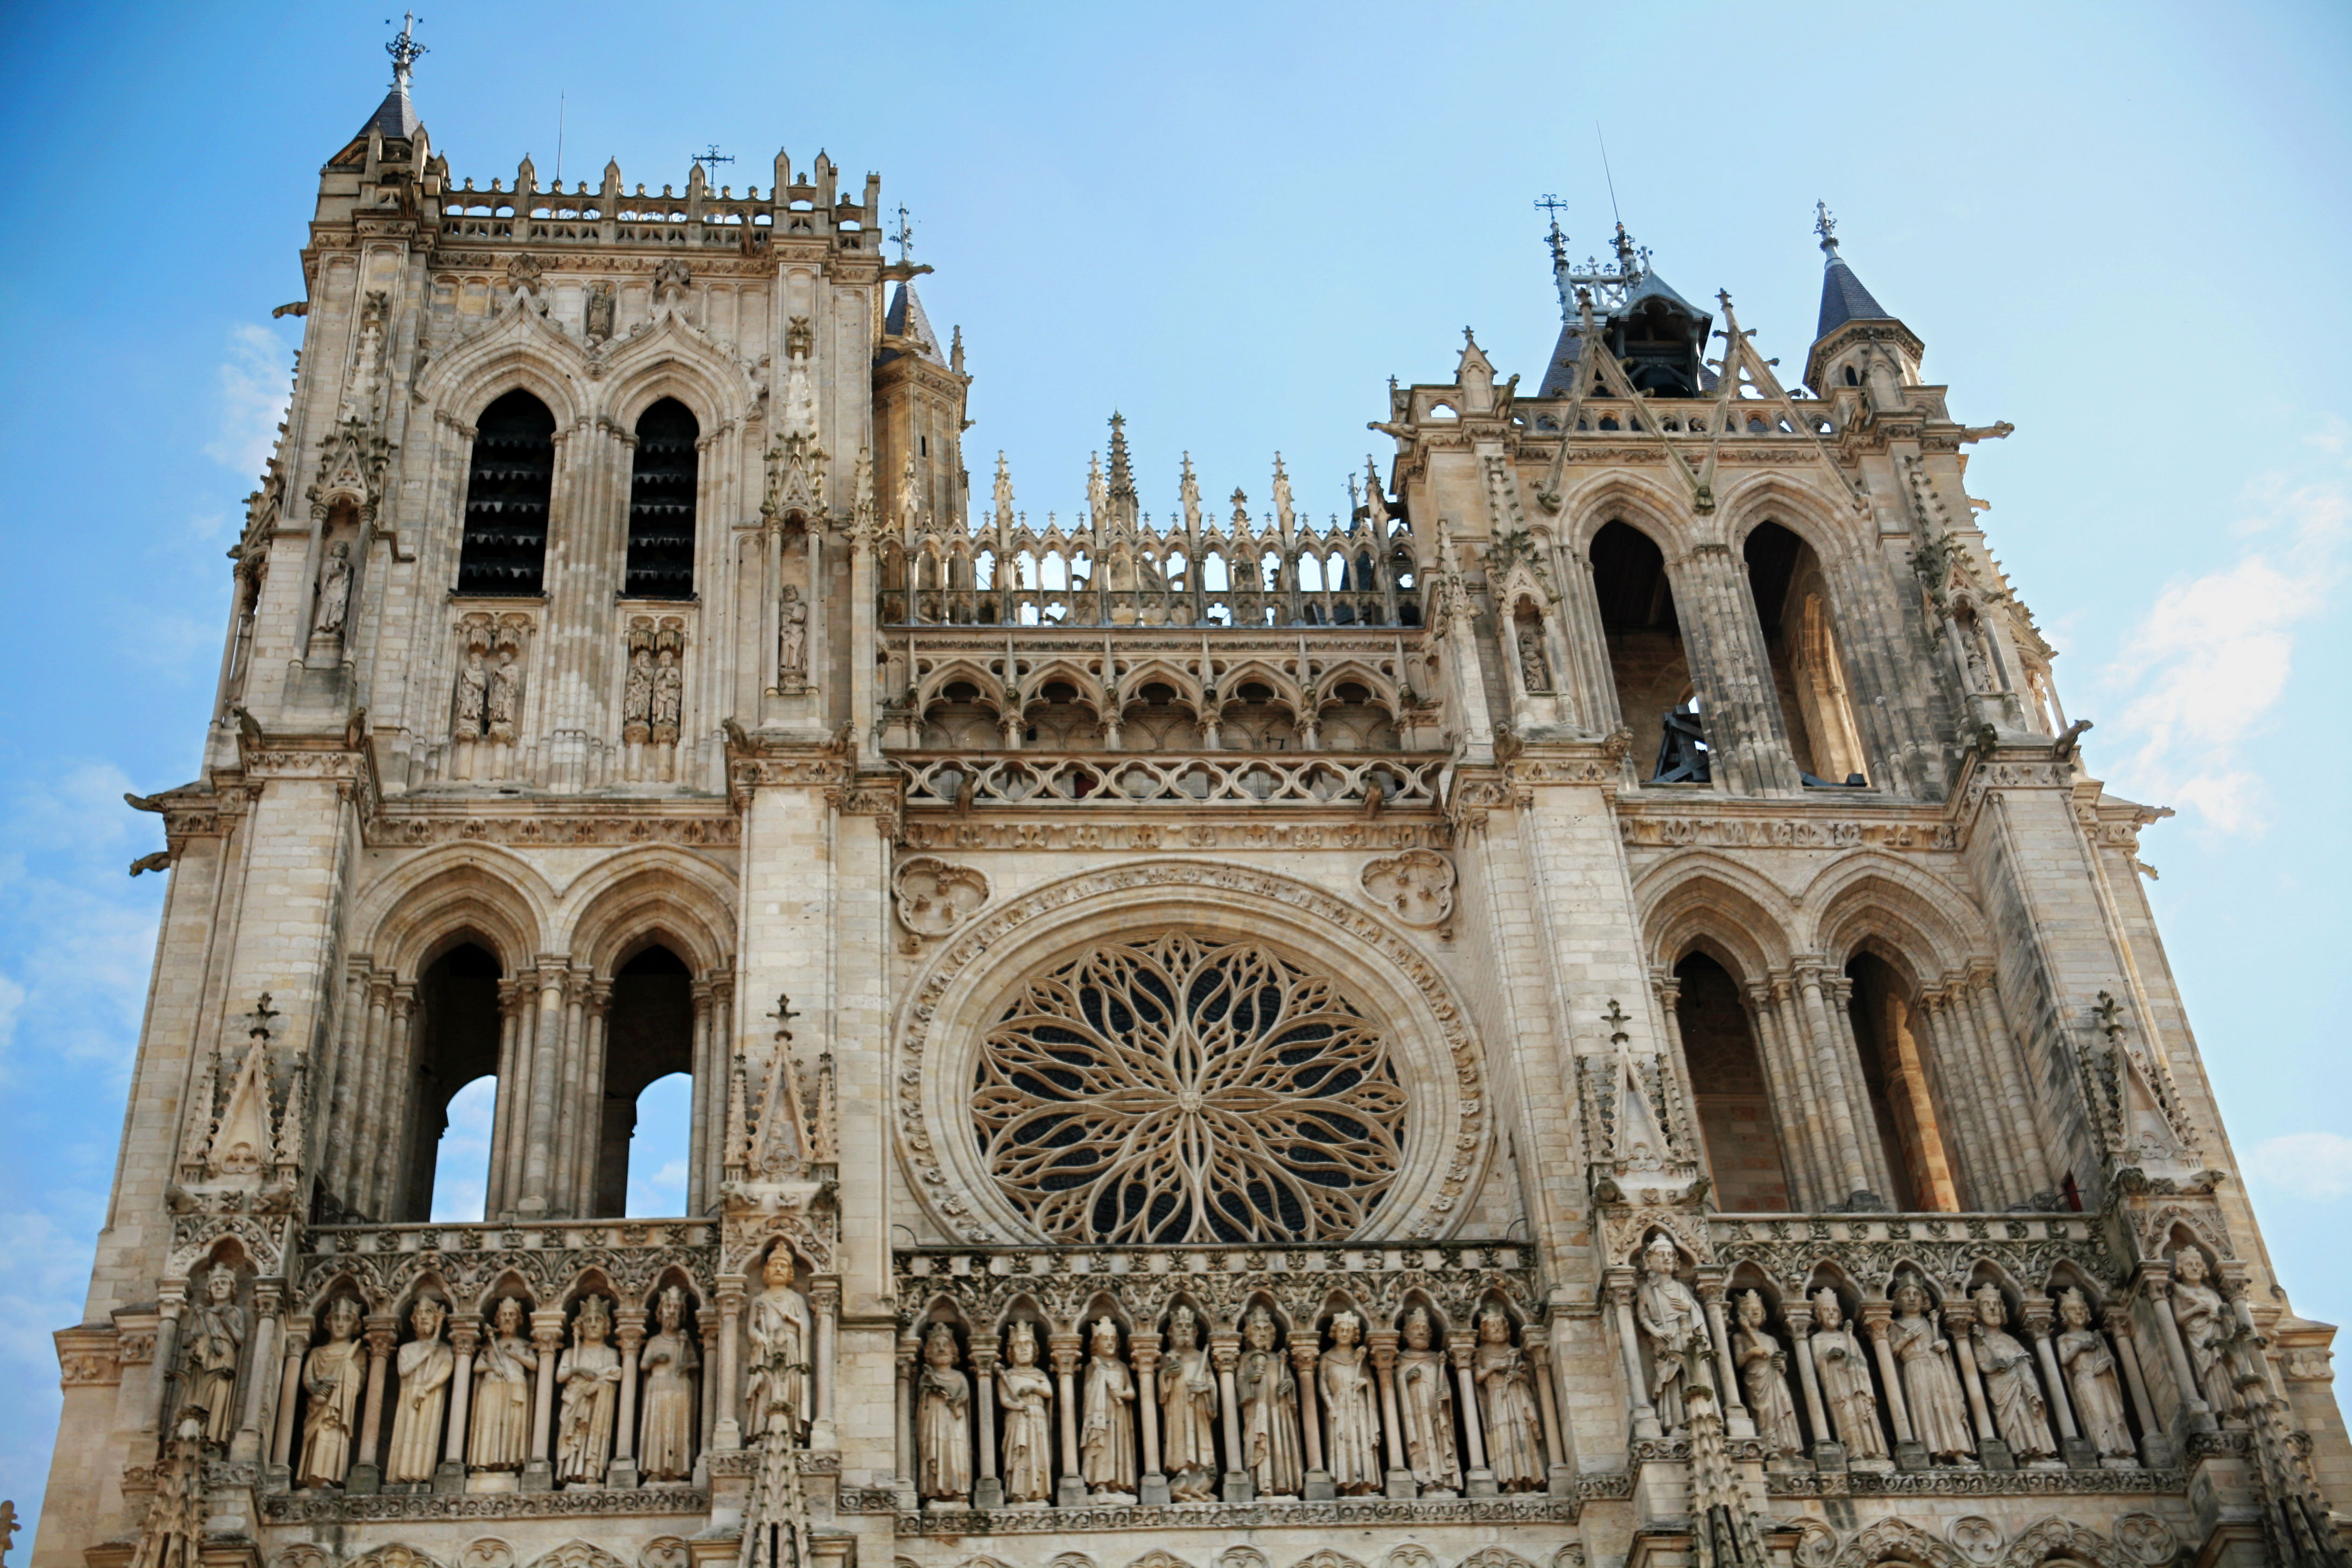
[(1627, 260), (712, 158), (783, 1016), (1826, 226), (403, 49), (904, 237), (1558, 242), (261, 1015)]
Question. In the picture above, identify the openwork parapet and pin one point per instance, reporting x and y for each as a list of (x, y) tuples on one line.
[(1122, 781)]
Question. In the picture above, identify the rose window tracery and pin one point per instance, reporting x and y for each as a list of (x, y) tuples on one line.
[(1176, 1088)]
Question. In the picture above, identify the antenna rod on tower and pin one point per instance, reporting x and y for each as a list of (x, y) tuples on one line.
[(1607, 175), (559, 140)]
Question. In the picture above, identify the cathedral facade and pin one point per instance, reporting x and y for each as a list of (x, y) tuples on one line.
[(1589, 1012)]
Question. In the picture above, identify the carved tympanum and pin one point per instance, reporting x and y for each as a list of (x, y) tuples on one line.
[(1172, 1089), (934, 898), (1416, 887)]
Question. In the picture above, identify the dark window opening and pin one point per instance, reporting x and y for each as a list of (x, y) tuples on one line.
[(661, 503), (507, 491), (1905, 1099), (447, 1136), (649, 1036), (1744, 1159), (1645, 645), (1659, 347), (1792, 609)]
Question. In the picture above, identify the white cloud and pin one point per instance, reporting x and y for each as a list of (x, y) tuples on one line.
[(2309, 1165), (256, 384), (2206, 666)]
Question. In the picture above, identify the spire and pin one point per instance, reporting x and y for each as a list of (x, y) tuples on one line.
[(1844, 298), (1122, 476), (905, 319), (395, 118)]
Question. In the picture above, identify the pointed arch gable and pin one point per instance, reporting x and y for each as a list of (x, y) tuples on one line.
[(1285, 687), (1637, 501), (1383, 688), (1923, 924), (1820, 519), (409, 917), (522, 350), (1183, 682), (658, 893), (990, 685), (675, 359), (1707, 901)]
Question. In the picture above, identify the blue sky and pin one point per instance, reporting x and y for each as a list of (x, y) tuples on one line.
[(2120, 227)]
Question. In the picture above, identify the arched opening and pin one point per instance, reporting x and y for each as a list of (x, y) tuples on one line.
[(1792, 605), (1157, 720), (456, 1049), (658, 1148), (507, 491), (661, 503), (649, 1036), (1904, 1101), (1729, 1090), (1646, 660), (957, 720), (1060, 718)]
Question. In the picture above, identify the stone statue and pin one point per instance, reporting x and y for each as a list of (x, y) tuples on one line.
[(2090, 1369), (1026, 1395), (426, 1365), (217, 1327), (943, 1421), (473, 689), (637, 695), (777, 1399), (505, 697), (1269, 1396), (1188, 1406), (791, 641), (1107, 1428), (589, 1374), (1535, 669), (669, 695), (2019, 1410), (1845, 1370), (1931, 1387), (332, 1377), (1425, 1406), (1507, 1406), (1352, 1411), (2205, 1329), (1669, 1316), (1764, 1375), (599, 312), (499, 1435), (335, 590), (666, 1425)]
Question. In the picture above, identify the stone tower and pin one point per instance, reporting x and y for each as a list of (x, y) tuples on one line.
[(1587, 1013)]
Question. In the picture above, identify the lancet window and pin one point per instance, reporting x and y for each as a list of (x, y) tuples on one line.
[(455, 1045), (507, 491), (1738, 1122), (648, 1036), (662, 486), (1905, 1099), (1791, 598), (1647, 660)]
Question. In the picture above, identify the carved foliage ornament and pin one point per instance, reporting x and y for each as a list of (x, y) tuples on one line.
[(1172, 1089), (934, 898), (1416, 887)]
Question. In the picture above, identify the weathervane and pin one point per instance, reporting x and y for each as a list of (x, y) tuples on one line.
[(403, 49), (713, 158), (1825, 226), (905, 236)]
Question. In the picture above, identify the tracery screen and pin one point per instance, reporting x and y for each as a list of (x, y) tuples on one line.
[(1176, 1088)]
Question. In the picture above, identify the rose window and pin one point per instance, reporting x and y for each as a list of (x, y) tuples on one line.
[(1180, 1090)]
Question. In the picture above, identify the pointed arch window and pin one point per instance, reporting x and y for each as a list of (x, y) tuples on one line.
[(661, 503), (506, 495)]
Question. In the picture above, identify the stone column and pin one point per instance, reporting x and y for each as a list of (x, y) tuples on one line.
[(367, 1098), (514, 1087), (1538, 1353), (708, 1325), (1964, 1352), (547, 1339), (1063, 1351), (579, 1108), (1827, 1453), (1226, 1354), (987, 1487), (728, 1436), (2038, 1315), (1977, 1151), (546, 1069), (909, 1348), (1837, 993), (289, 1393), (1383, 1347), (260, 1367), (1143, 1352), (1984, 1005), (1669, 991), (592, 1016), (1794, 1104), (1478, 1481), (1736, 1420), (709, 1103), (366, 1476), (629, 1333), (1851, 1173), (825, 1306), (2196, 1415), (1620, 1287), (1305, 1355), (2156, 1438), (383, 1200), (171, 1302), (1875, 1316), (465, 1338)]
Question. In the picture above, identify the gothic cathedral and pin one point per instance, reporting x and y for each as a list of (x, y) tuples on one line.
[(1588, 1014)]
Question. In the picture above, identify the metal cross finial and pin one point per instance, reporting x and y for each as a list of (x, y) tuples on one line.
[(783, 1016), (711, 159), (1616, 1018), (905, 236), (403, 49), (1825, 226), (260, 1016), (1558, 241), (2110, 1014)]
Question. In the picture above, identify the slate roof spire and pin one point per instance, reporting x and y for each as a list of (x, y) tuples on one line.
[(905, 319), (1844, 298), (395, 118)]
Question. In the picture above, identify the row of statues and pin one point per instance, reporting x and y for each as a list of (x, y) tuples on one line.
[(496, 1433), (1196, 1417), (1926, 1381)]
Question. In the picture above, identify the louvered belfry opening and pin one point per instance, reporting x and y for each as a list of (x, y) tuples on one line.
[(661, 504), (505, 551)]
